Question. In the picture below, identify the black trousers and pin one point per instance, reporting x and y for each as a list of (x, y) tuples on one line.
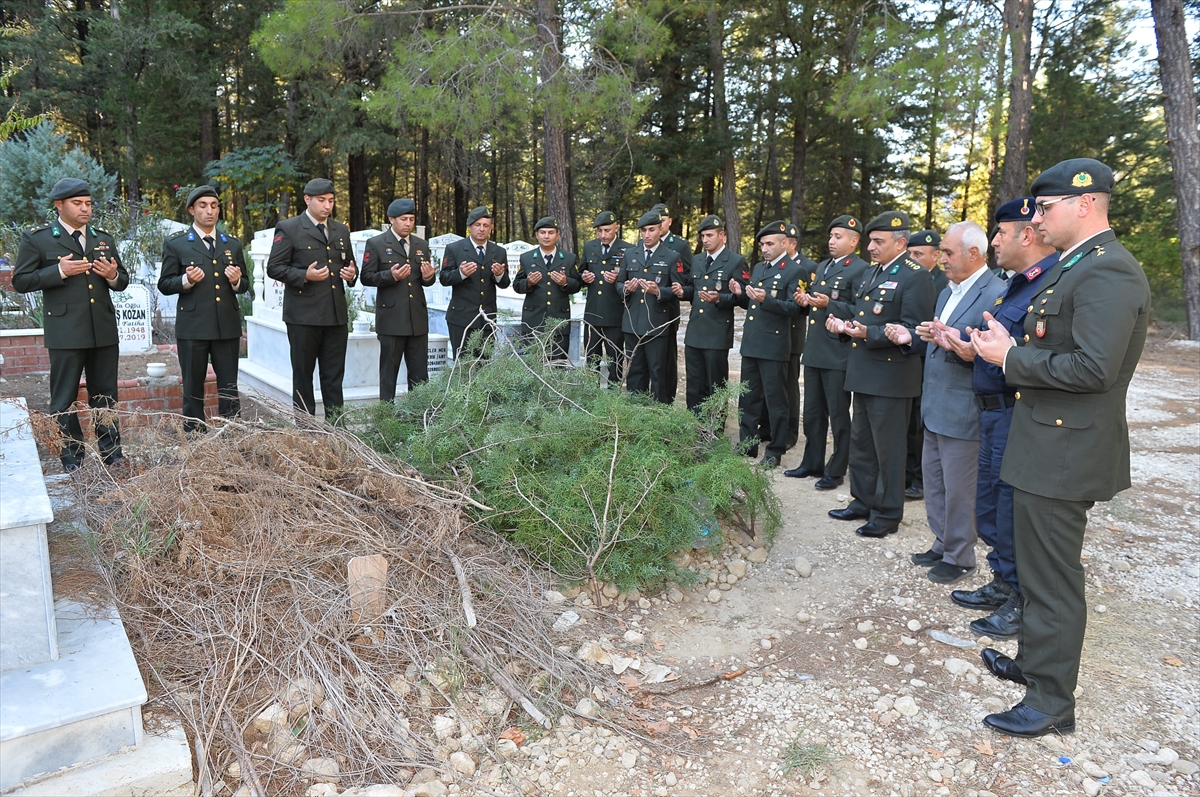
[(459, 334), (413, 350), (1048, 541), (312, 346), (100, 365), (606, 342), (707, 369), (648, 359), (793, 395), (916, 445), (877, 457), (826, 404), (673, 359), (194, 356), (764, 382)]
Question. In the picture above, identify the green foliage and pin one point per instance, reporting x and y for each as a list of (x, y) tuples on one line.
[(260, 174), (29, 168), (15, 120), (808, 758), (593, 482)]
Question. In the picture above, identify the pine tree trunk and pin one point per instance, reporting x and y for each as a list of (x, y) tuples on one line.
[(553, 131), (1018, 24), (1183, 141), (733, 222)]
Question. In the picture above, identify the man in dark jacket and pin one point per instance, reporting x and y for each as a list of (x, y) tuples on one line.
[(75, 265), (651, 282), (473, 268), (397, 264), (548, 276), (206, 268), (709, 335), (604, 308), (314, 259)]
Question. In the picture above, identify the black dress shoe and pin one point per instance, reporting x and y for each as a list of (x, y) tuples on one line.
[(927, 559), (768, 463), (874, 530), (945, 573), (914, 493), (1004, 623), (801, 473), (1001, 666), (1029, 723), (827, 483), (71, 467), (991, 595), (846, 513)]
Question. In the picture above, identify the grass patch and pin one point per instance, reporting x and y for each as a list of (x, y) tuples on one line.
[(807, 759)]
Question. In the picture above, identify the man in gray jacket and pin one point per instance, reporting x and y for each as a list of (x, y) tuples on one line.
[(950, 455)]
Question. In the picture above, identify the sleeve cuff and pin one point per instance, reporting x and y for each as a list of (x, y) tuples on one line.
[(186, 282), (1004, 365)]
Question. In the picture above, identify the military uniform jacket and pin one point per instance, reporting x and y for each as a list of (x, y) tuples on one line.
[(400, 308), (685, 255), (78, 311), (807, 267), (298, 243), (207, 310), (477, 291), (604, 307), (1083, 337), (647, 315), (710, 325), (836, 278), (900, 293), (767, 332), (546, 299), (940, 280)]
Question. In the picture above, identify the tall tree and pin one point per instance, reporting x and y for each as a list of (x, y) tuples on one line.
[(1183, 141), (1018, 30), (716, 43)]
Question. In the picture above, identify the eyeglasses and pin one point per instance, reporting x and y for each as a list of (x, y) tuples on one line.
[(1041, 206)]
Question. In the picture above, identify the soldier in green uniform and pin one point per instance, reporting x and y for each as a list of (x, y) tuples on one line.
[(473, 268), (709, 335), (206, 268), (396, 263), (651, 281), (883, 378), (684, 250), (75, 265), (604, 307), (826, 400), (766, 292), (799, 328), (548, 276), (1069, 442), (924, 249), (314, 259)]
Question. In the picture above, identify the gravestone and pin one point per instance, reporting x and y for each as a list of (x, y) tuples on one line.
[(133, 319)]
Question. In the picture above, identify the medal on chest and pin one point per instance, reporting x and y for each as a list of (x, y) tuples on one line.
[(878, 308), (1039, 328)]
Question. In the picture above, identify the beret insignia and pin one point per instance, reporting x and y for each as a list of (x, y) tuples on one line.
[(896, 222), (1025, 208), (1081, 180), (852, 223)]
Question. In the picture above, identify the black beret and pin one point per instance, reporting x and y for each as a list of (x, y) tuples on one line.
[(1074, 177), (318, 186), (925, 238), (478, 213), (199, 192), (401, 207), (546, 223), (793, 232), (606, 217), (892, 220), (774, 228), (711, 223), (1019, 209), (69, 188), (661, 209), (649, 219), (846, 222)]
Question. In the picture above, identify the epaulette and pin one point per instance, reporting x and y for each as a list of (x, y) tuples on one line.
[(39, 229), (178, 233), (101, 230), (914, 266)]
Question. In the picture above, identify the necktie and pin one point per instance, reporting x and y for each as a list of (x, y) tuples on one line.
[(479, 252), (549, 261), (321, 229), (403, 249), (208, 242), (78, 236), (604, 252), (708, 263), (648, 253)]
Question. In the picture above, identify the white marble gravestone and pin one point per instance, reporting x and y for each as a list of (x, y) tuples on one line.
[(133, 318)]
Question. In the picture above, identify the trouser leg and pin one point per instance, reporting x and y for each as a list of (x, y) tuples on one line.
[(331, 359), (416, 359), (837, 399), (304, 342), (816, 420), (391, 349), (66, 367), (100, 369), (638, 378), (224, 355), (915, 439)]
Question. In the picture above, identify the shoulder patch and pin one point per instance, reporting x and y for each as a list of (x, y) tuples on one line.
[(39, 228), (999, 301), (101, 230), (914, 266)]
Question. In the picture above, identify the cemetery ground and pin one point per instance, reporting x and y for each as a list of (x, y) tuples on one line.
[(809, 668)]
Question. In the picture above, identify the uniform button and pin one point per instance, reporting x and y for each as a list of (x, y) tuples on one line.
[(754, 307), (218, 287), (854, 345), (93, 301), (822, 282), (88, 272), (1026, 338), (89, 286), (862, 312), (702, 310), (218, 298), (1017, 396), (1058, 421), (215, 274), (643, 301), (812, 321), (599, 293), (410, 296), (547, 302), (751, 318), (481, 293), (1029, 309)]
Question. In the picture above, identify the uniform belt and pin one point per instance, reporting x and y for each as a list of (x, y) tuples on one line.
[(995, 401)]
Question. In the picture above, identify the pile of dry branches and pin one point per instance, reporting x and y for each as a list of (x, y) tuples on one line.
[(228, 559)]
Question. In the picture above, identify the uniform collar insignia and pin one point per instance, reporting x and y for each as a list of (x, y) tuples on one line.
[(1032, 273)]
